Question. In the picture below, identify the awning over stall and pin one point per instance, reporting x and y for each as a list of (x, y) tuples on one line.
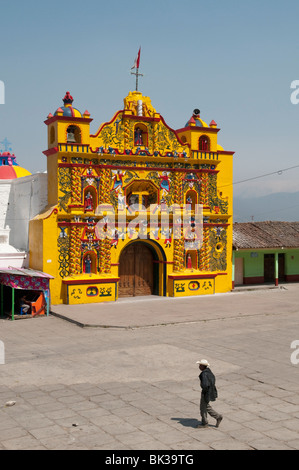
[(27, 279)]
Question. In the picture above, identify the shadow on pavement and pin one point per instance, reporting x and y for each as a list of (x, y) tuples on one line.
[(188, 422)]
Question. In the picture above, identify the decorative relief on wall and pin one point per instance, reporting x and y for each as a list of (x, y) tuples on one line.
[(218, 241), (63, 244), (164, 181), (120, 179), (205, 251), (166, 140), (191, 182), (112, 135), (216, 203), (76, 185), (65, 186), (75, 250)]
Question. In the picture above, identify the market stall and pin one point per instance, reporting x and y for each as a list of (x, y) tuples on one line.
[(24, 293)]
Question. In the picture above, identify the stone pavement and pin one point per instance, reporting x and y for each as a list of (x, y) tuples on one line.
[(128, 379)]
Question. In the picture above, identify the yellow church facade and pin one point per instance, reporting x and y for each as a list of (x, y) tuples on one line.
[(135, 209)]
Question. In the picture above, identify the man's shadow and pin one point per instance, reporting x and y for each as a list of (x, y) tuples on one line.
[(188, 422)]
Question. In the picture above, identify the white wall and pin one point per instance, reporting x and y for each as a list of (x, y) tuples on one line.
[(5, 186), (27, 198)]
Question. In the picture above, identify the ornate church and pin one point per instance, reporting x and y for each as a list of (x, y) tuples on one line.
[(116, 201)]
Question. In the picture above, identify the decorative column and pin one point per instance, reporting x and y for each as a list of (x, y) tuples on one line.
[(127, 134), (204, 193), (178, 243), (105, 257), (204, 251), (75, 250), (155, 137), (105, 245), (105, 186), (75, 185)]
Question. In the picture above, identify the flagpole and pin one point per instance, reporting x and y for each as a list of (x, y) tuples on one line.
[(137, 79), (136, 67)]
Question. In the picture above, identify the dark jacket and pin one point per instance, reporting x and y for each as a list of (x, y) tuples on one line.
[(207, 383)]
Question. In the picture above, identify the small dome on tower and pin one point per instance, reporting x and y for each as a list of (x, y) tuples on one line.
[(9, 168), (195, 120), (68, 110)]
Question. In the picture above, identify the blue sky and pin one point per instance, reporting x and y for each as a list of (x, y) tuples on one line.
[(235, 60)]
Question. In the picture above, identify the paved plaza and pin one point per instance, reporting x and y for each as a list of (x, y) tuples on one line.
[(123, 376)]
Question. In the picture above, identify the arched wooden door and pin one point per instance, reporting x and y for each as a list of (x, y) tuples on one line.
[(136, 271)]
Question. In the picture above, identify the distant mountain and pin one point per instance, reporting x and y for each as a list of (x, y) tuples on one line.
[(277, 206)]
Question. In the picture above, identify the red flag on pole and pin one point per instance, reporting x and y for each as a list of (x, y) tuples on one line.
[(137, 60)]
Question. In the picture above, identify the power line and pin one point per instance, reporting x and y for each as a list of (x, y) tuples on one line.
[(236, 214), (278, 172)]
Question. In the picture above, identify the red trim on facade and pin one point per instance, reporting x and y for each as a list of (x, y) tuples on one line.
[(176, 133), (199, 129), (67, 119), (216, 225), (50, 151), (134, 117), (106, 124), (53, 211), (225, 152), (195, 276), (137, 168), (141, 119), (89, 281)]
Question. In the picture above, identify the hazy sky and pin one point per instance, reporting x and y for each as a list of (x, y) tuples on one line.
[(235, 60)]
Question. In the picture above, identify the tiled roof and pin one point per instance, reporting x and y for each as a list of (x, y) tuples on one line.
[(266, 235)]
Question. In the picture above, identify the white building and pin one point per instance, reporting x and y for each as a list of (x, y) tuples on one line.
[(22, 196)]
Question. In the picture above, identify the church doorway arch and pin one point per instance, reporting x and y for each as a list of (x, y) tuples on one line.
[(139, 270)]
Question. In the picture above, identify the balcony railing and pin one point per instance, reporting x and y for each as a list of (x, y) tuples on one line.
[(76, 148), (199, 155)]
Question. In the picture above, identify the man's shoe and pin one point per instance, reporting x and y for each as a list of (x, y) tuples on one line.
[(202, 425), (218, 421)]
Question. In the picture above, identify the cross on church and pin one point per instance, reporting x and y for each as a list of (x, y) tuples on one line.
[(137, 75), (136, 66), (6, 144)]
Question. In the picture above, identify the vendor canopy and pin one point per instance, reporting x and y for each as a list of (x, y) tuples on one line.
[(21, 278)]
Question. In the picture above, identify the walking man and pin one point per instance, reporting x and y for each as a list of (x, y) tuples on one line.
[(208, 394)]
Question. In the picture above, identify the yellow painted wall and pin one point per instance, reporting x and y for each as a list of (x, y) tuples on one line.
[(110, 164)]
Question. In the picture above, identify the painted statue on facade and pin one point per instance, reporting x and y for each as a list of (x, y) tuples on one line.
[(87, 264), (88, 203)]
